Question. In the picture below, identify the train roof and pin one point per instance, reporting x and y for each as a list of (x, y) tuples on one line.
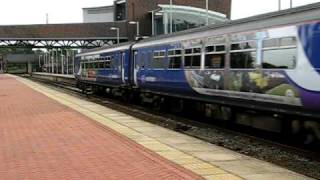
[(106, 49), (274, 19)]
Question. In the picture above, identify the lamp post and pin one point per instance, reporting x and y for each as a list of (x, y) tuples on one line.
[(138, 28), (62, 61), (207, 9), (118, 33), (171, 18), (39, 63), (279, 5)]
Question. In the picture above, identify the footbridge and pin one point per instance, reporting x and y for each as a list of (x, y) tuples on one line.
[(81, 35)]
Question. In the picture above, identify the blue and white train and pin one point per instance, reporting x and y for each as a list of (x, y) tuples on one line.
[(269, 62)]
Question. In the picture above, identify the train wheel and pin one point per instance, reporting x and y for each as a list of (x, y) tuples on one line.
[(312, 134), (176, 105), (160, 104)]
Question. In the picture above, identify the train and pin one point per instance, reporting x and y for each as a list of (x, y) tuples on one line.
[(268, 64)]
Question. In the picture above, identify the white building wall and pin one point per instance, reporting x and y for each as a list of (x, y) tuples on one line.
[(101, 14)]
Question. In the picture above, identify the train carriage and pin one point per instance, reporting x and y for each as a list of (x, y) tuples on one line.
[(106, 67), (268, 62), (262, 72)]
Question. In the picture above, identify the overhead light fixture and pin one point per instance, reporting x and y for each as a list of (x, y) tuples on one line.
[(121, 2), (132, 22)]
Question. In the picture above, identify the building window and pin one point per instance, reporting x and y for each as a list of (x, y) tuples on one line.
[(120, 11), (280, 53), (243, 55), (158, 60), (175, 58), (192, 58)]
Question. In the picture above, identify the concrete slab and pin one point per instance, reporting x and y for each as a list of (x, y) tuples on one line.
[(250, 166), (276, 176)]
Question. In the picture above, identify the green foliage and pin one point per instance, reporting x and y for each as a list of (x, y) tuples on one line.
[(4, 51)]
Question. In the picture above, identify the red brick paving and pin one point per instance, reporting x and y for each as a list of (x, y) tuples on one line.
[(42, 139)]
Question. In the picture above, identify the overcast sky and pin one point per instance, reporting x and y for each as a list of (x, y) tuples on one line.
[(70, 11)]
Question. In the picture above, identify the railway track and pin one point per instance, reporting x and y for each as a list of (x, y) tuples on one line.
[(294, 158)]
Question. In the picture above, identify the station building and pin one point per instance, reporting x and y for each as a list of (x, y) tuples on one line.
[(98, 14), (158, 17)]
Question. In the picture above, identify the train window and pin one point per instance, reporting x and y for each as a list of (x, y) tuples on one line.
[(101, 65), (175, 62), (217, 40), (188, 51), (162, 53), (215, 57), (196, 50), (244, 45), (174, 52), (271, 43), (158, 63), (220, 48), (279, 53), (215, 61), (192, 59), (82, 65), (210, 49), (158, 60), (243, 55), (243, 60), (112, 61), (280, 42), (175, 59), (141, 61), (289, 41), (107, 64), (235, 47), (94, 65), (280, 58)]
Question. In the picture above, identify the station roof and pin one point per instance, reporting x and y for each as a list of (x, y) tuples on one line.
[(63, 31), (192, 10)]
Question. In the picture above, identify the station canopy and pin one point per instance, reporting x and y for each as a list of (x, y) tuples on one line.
[(183, 18)]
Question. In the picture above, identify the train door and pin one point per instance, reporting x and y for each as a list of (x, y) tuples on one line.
[(123, 56), (244, 74), (136, 68)]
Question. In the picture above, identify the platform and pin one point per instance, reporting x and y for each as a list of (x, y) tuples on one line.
[(69, 76), (48, 134), (56, 78)]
